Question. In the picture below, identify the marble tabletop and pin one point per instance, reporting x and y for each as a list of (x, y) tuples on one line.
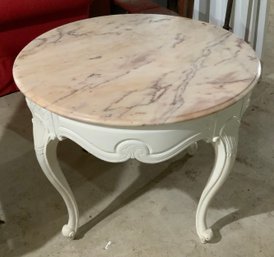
[(135, 70)]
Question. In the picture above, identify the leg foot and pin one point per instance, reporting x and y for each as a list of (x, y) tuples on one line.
[(206, 235), (68, 232)]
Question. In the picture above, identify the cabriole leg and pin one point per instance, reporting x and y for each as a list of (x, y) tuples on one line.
[(45, 148), (225, 152)]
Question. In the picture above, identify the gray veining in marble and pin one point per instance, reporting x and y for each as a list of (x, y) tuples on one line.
[(136, 69)]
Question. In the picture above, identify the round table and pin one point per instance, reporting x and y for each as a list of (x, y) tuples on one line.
[(137, 86)]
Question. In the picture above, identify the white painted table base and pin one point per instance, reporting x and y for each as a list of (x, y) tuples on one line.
[(146, 144)]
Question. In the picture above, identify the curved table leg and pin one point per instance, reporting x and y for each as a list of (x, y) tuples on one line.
[(225, 152), (45, 148)]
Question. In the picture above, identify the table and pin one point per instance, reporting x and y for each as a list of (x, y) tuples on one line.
[(137, 86)]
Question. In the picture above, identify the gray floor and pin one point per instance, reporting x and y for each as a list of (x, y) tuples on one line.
[(144, 210)]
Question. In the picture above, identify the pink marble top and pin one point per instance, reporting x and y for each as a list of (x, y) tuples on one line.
[(131, 70)]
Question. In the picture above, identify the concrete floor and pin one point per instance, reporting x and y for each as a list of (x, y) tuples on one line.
[(144, 210)]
